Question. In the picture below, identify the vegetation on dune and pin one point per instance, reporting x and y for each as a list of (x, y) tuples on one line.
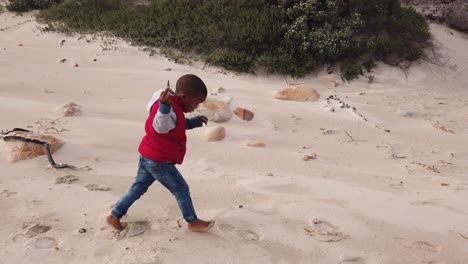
[(284, 36), (26, 5)]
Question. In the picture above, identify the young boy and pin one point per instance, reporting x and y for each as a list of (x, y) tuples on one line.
[(163, 146)]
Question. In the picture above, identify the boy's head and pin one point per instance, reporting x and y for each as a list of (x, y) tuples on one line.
[(192, 90)]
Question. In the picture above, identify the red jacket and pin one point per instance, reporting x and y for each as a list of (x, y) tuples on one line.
[(169, 146)]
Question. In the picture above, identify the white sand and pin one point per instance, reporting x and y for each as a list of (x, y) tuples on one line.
[(354, 185)]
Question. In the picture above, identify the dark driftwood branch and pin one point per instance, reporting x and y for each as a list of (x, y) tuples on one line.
[(45, 144), (13, 130)]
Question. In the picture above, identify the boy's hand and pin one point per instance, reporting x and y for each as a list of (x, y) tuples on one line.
[(204, 120), (164, 97)]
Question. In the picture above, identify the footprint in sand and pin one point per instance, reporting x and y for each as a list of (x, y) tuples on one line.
[(68, 179), (32, 231), (36, 230), (425, 246), (97, 187), (324, 231), (420, 246), (231, 231), (44, 243), (134, 229), (436, 204), (464, 234), (398, 186), (131, 229), (6, 193), (351, 260)]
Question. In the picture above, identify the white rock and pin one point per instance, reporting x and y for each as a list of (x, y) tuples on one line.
[(215, 133)]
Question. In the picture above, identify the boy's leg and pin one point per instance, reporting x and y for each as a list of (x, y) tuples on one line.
[(171, 178), (143, 180)]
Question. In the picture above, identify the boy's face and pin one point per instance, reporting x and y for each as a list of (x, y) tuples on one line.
[(191, 103)]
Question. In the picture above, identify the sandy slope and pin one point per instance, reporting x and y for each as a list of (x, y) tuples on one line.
[(387, 209)]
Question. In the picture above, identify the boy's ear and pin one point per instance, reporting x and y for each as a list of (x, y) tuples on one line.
[(181, 95)]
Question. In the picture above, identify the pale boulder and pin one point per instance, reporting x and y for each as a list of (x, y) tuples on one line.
[(18, 150), (255, 144), (215, 133), (215, 110), (297, 93)]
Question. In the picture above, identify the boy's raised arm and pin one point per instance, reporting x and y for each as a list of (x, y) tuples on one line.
[(165, 119)]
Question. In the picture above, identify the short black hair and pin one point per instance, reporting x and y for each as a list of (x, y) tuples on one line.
[(191, 85)]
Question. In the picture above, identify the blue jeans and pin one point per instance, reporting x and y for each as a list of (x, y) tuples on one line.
[(168, 175)]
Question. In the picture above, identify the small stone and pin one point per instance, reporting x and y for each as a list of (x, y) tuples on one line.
[(243, 113), (82, 230), (215, 133), (220, 90), (408, 114), (62, 42), (309, 157), (168, 69), (445, 184), (241, 206), (94, 59), (62, 60), (334, 83), (76, 65), (329, 69), (256, 144), (387, 130), (297, 93), (327, 131)]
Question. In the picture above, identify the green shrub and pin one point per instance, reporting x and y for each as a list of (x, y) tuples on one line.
[(351, 71), (26, 5), (18, 6), (457, 15), (285, 36), (369, 65)]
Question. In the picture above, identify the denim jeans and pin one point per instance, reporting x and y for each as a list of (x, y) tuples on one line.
[(168, 175)]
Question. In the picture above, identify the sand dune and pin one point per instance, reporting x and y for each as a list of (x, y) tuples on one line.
[(389, 183)]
